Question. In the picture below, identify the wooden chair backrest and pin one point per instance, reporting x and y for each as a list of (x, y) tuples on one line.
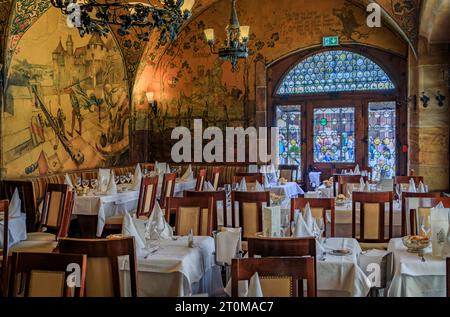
[(405, 212), (218, 196), (147, 196), (57, 209), (201, 178), (372, 204), (45, 274), (217, 173), (103, 272), (293, 270), (288, 171), (168, 188), (345, 180)]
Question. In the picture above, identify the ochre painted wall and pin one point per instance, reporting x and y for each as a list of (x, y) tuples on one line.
[(190, 82)]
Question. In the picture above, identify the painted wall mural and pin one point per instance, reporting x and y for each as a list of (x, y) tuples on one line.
[(67, 100), (188, 79)]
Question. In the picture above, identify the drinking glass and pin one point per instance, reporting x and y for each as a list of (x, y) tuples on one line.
[(285, 225), (85, 183), (129, 177), (398, 191), (116, 179), (122, 179), (94, 183), (78, 182), (425, 226)]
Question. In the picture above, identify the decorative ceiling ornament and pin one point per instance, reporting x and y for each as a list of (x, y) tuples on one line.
[(95, 16), (236, 45)]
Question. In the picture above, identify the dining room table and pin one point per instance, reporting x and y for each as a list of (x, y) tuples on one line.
[(415, 275), (98, 205), (172, 269)]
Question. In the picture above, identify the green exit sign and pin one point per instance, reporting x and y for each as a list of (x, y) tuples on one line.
[(331, 41)]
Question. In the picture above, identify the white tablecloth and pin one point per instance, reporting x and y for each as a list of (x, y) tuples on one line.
[(341, 275), (176, 270), (105, 206), (17, 228), (337, 276), (414, 278), (290, 190)]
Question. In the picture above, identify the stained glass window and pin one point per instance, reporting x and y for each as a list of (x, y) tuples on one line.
[(335, 71), (382, 141), (334, 135), (289, 124)]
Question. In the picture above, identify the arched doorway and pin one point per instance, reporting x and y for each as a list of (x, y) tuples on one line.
[(340, 107)]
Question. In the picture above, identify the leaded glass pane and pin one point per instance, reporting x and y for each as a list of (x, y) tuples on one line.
[(289, 124), (335, 71), (382, 140), (334, 135)]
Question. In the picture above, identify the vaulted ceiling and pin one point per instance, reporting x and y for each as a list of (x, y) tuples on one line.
[(403, 15)]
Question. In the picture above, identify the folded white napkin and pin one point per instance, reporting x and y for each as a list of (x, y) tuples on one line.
[(301, 228), (68, 181), (189, 174), (440, 205), (14, 208), (367, 187), (254, 287), (309, 220), (312, 194), (259, 187), (130, 229), (356, 171), (208, 187), (168, 171), (412, 186), (103, 179), (137, 178), (421, 188), (243, 185), (227, 244), (158, 228), (362, 184), (112, 187)]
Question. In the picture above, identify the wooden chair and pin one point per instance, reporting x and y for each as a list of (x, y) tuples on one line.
[(319, 208), (191, 213), (282, 247), (147, 196), (288, 171), (28, 204), (423, 208), (448, 277), (103, 272), (250, 212), (279, 277), (4, 204), (201, 177), (406, 211), (217, 172), (168, 188), (45, 274), (372, 219), (404, 181), (56, 214), (218, 197), (349, 182)]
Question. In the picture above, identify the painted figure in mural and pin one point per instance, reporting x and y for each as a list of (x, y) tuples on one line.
[(350, 24), (79, 99), (61, 117), (118, 112)]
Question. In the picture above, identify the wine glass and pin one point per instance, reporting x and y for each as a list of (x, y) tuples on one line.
[(398, 190), (227, 188), (145, 172), (122, 179), (116, 179), (78, 182), (285, 225), (94, 183), (425, 226), (129, 177), (85, 183), (292, 228)]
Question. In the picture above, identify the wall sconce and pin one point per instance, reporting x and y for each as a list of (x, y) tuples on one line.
[(425, 100), (440, 99), (152, 102)]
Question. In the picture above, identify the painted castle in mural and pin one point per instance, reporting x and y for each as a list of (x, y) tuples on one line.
[(68, 105)]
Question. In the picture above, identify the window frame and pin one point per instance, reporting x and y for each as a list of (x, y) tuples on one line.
[(395, 67)]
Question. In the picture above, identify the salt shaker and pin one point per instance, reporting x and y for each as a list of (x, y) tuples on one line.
[(191, 239)]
